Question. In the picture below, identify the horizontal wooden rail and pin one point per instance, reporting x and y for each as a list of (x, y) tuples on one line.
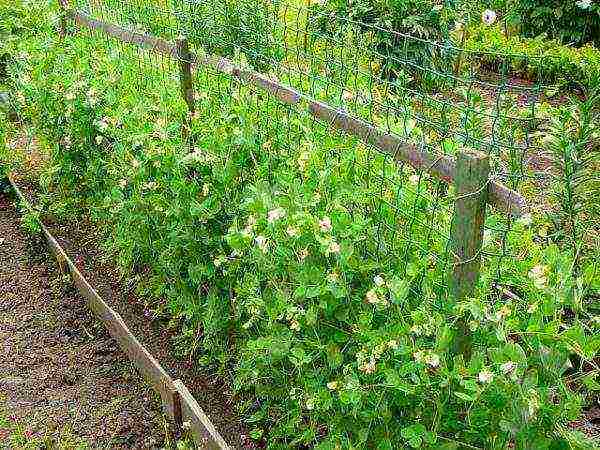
[(178, 403), (438, 165)]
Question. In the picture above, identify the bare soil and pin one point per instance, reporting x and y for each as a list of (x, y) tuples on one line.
[(59, 369)]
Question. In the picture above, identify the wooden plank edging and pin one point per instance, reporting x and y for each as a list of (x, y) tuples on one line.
[(438, 165), (178, 403)]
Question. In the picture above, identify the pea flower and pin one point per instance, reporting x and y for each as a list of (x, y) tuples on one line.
[(303, 254), (333, 385), (261, 241), (292, 231), (538, 275), (275, 214), (488, 17), (325, 224), (584, 4), (295, 325), (372, 297), (508, 367), (378, 280), (485, 376), (334, 247), (432, 359)]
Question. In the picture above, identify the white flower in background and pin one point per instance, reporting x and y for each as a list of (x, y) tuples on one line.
[(325, 224), (261, 241), (414, 179), (393, 344), (525, 220), (488, 17), (332, 385), (135, 163), (334, 247), (584, 4), (275, 214), (378, 280), (70, 96), (432, 359), (123, 183), (372, 297), (485, 376), (508, 367), (368, 368), (102, 124), (437, 8), (333, 277), (292, 231), (99, 139), (303, 254), (205, 189), (458, 26), (310, 404), (539, 276), (503, 312), (347, 96), (295, 325)]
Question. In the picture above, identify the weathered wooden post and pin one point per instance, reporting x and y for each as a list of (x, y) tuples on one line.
[(62, 20), (184, 57), (466, 234), (185, 78)]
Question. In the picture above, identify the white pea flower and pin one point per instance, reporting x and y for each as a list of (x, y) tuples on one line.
[(99, 139), (325, 224), (123, 183), (334, 247), (414, 179), (539, 276), (295, 325), (508, 367), (275, 214), (372, 297), (378, 280), (584, 4), (292, 231), (488, 17), (261, 241), (332, 385), (525, 220), (432, 359), (485, 376)]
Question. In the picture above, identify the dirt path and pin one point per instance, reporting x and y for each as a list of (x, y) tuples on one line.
[(60, 373)]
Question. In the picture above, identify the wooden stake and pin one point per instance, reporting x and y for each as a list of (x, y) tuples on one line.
[(466, 235), (62, 21), (185, 72)]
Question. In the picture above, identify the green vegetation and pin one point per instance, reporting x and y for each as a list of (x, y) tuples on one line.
[(316, 267)]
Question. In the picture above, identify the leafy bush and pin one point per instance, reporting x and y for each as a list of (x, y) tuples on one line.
[(569, 21), (534, 59), (397, 32)]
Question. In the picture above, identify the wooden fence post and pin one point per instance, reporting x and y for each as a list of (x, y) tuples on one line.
[(466, 235), (62, 20), (184, 57)]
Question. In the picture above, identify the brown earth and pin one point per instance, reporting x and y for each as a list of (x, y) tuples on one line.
[(59, 370)]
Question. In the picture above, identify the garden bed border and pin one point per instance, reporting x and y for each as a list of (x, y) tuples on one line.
[(177, 401)]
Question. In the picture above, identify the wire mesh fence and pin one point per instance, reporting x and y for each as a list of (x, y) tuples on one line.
[(392, 90), (433, 96)]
